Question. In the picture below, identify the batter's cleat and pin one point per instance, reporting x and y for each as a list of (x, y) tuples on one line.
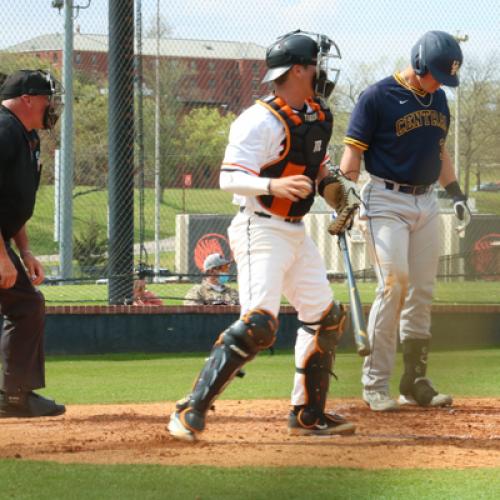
[(437, 401), (379, 400), (301, 424), (28, 405)]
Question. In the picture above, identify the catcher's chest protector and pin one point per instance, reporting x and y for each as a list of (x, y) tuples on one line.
[(307, 135)]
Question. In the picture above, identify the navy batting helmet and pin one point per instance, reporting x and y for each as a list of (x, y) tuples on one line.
[(439, 54)]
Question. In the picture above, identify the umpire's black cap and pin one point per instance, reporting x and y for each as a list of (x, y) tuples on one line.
[(28, 81)]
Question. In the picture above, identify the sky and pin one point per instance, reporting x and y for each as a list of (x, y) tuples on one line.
[(365, 30)]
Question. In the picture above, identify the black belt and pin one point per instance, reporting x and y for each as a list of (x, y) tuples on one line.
[(406, 188), (268, 216)]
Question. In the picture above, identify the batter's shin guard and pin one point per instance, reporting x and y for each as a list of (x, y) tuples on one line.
[(236, 346), (319, 365), (413, 382)]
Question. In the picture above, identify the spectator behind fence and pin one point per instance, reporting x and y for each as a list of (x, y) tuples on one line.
[(143, 297), (213, 289), (30, 100)]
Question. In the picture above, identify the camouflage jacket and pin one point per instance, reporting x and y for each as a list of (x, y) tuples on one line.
[(204, 295)]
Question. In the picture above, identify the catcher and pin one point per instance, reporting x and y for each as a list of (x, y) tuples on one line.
[(275, 160)]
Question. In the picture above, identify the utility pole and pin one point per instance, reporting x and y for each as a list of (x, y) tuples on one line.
[(157, 144), (459, 39), (66, 165), (67, 157)]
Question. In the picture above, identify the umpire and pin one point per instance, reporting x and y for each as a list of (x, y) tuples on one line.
[(30, 100)]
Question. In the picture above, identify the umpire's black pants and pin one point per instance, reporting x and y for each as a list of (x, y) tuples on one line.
[(21, 342)]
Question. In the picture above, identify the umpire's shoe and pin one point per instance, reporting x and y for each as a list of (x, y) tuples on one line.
[(27, 405), (185, 423), (304, 422)]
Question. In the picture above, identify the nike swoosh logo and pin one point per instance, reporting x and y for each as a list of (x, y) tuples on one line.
[(321, 427), (403, 102)]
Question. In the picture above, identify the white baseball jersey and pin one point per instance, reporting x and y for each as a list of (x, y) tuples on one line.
[(273, 257)]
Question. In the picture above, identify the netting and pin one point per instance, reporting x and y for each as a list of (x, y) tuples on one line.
[(130, 175)]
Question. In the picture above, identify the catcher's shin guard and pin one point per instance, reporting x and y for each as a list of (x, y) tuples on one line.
[(319, 364), (413, 382), (236, 346)]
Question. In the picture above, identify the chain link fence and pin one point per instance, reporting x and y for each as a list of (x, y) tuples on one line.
[(130, 176)]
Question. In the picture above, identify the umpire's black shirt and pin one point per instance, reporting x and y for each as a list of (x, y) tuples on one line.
[(19, 173)]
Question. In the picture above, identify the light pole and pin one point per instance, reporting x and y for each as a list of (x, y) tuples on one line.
[(157, 145), (66, 165), (459, 39)]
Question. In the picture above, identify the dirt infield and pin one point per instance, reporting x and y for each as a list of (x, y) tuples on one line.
[(242, 433)]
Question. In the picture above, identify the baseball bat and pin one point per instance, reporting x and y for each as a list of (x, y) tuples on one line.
[(357, 316)]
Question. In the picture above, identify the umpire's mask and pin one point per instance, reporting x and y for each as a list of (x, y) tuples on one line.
[(55, 106)]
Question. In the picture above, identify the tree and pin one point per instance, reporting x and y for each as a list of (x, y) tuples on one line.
[(171, 107), (165, 29), (203, 139), (90, 135), (479, 116), (90, 248)]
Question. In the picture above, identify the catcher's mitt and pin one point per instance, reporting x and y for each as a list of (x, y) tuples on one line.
[(343, 196)]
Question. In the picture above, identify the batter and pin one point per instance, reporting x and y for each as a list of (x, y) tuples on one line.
[(399, 125)]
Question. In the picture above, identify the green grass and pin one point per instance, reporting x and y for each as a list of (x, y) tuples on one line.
[(41, 226), (143, 378), (487, 202), (450, 292), (54, 481), (167, 377)]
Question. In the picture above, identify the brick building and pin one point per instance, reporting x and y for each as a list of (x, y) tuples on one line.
[(214, 73)]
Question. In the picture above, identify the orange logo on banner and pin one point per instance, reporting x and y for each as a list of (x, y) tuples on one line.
[(208, 244)]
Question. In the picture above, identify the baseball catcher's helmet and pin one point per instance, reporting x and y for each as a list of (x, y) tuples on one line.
[(439, 54), (304, 47)]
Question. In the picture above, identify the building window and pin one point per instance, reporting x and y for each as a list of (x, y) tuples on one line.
[(211, 84), (78, 58), (255, 69), (93, 59), (193, 65), (211, 66), (54, 56)]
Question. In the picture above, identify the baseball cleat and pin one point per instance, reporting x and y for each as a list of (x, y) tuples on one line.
[(178, 430), (437, 401), (379, 400), (327, 425)]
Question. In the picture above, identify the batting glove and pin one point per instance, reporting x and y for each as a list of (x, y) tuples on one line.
[(460, 207)]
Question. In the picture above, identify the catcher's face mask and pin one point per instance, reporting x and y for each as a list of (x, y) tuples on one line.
[(327, 70)]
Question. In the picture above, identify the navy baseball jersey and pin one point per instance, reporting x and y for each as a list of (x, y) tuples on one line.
[(401, 131)]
